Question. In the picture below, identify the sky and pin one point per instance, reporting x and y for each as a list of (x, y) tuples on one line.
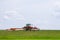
[(44, 14)]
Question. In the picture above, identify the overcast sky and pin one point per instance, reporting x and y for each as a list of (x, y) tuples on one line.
[(45, 14)]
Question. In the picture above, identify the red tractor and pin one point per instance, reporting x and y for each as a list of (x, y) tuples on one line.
[(28, 27)]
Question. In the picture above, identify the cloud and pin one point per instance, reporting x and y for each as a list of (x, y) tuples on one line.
[(13, 15), (1, 20), (6, 17), (56, 10), (0, 25)]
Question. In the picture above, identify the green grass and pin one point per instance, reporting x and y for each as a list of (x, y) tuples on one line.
[(29, 39), (31, 35)]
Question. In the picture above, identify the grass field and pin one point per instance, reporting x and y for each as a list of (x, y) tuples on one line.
[(30, 35)]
